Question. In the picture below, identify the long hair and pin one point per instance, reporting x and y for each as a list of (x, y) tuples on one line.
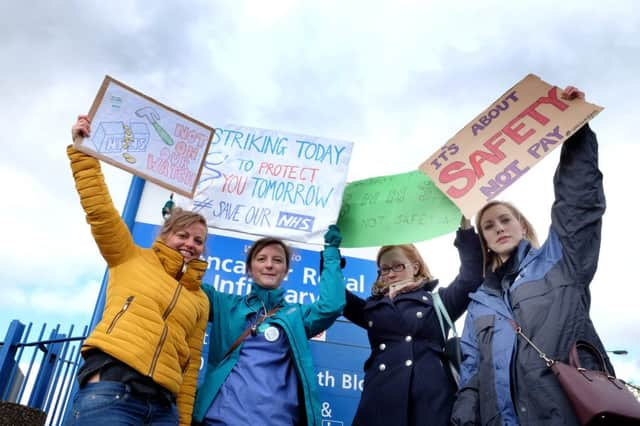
[(412, 253), (491, 260)]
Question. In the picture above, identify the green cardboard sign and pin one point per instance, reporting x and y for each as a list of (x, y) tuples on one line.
[(395, 209)]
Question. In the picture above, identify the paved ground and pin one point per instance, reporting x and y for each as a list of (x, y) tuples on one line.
[(18, 415)]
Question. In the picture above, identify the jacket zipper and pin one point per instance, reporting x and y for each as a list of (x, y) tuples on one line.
[(156, 355), (120, 313), (186, 365), (513, 361), (181, 272), (163, 337)]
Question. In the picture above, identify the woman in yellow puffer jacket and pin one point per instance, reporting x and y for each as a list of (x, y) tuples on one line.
[(142, 359)]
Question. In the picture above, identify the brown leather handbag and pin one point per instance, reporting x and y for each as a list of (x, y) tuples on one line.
[(597, 397)]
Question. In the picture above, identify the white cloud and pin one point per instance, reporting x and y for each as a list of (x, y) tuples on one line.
[(48, 239), (80, 299)]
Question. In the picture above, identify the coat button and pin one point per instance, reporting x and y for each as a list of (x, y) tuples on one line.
[(370, 323), (425, 298), (408, 339), (408, 363), (382, 367), (419, 314), (382, 346)]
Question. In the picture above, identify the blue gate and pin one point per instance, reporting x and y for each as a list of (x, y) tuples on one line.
[(39, 372)]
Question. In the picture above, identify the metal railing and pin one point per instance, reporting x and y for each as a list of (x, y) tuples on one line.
[(39, 373)]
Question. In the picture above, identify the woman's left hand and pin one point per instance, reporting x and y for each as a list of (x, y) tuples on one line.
[(572, 92), (465, 223)]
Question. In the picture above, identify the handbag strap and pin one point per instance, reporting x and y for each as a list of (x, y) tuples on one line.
[(441, 313), (541, 354), (574, 359), (249, 329)]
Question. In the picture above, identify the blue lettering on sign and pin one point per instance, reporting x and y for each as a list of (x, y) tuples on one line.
[(299, 222)]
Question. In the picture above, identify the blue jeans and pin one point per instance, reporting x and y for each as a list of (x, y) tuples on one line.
[(112, 404)]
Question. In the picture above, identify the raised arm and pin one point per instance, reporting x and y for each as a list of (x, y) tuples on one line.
[(576, 216), (456, 296), (109, 231), (319, 315), (354, 309)]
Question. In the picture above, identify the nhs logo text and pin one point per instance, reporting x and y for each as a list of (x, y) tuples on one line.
[(295, 221)]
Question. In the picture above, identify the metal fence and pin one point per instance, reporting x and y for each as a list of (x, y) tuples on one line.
[(37, 368)]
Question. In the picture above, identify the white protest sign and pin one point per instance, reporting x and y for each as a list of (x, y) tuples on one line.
[(274, 183), (139, 134)]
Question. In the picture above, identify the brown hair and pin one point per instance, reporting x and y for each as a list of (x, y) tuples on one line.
[(257, 246), (179, 220), (491, 259), (412, 253)]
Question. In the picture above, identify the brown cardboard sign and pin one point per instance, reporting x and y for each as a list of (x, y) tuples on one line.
[(503, 142), (136, 133)]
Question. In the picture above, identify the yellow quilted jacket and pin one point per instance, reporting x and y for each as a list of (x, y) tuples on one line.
[(155, 312)]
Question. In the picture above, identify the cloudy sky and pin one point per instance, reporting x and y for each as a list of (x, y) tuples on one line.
[(397, 77)]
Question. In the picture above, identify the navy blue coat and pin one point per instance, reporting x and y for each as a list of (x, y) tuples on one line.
[(546, 291), (406, 382)]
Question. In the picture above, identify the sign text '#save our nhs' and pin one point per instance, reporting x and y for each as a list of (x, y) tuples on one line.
[(275, 183)]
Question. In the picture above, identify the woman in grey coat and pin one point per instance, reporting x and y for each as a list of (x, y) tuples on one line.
[(545, 290)]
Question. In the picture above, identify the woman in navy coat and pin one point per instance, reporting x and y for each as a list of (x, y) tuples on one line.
[(406, 379)]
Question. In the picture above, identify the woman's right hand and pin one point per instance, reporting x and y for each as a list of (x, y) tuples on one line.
[(333, 237), (81, 128)]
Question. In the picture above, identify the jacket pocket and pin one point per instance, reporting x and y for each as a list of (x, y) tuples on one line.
[(117, 316), (484, 326), (527, 291)]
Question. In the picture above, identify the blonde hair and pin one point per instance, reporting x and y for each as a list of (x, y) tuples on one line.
[(179, 220), (411, 253), (490, 259)]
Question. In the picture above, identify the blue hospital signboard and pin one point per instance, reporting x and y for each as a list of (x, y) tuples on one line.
[(338, 354)]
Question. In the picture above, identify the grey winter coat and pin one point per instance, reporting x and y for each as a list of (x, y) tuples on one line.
[(546, 292)]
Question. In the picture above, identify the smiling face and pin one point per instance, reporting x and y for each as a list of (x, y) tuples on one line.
[(394, 266), (501, 230), (189, 241), (268, 266)]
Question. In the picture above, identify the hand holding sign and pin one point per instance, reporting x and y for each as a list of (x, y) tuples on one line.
[(465, 223), (571, 92), (81, 129)]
